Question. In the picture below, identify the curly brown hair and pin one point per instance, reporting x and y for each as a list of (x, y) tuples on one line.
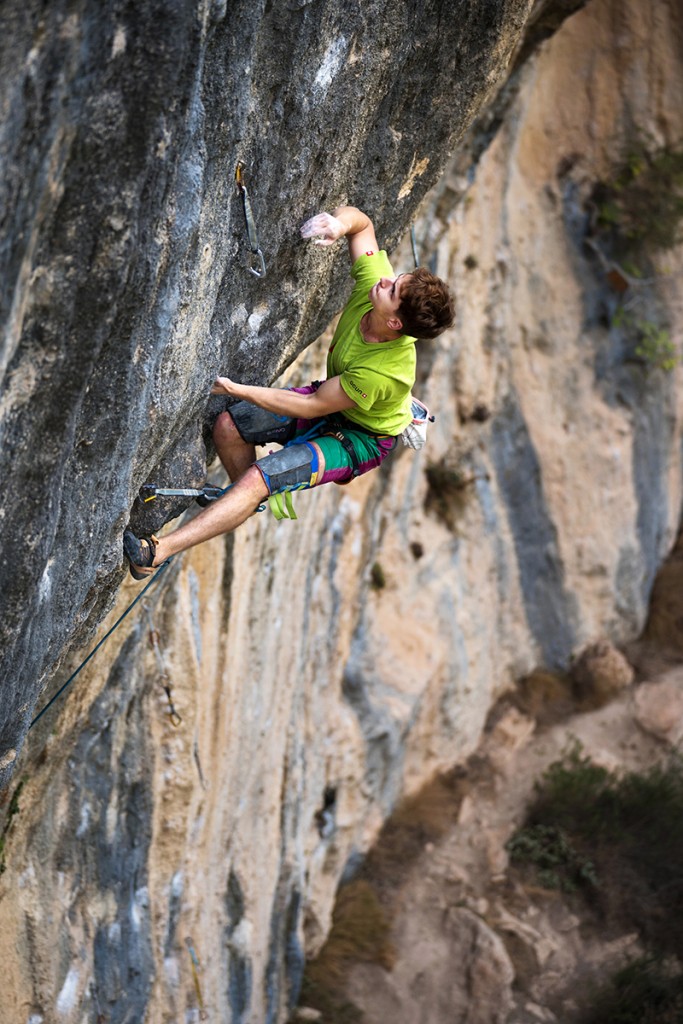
[(427, 307)]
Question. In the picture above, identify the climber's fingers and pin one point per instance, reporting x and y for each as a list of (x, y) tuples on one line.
[(324, 229), (222, 386)]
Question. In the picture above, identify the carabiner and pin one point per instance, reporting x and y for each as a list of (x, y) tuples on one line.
[(257, 255), (257, 266), (196, 968), (175, 718)]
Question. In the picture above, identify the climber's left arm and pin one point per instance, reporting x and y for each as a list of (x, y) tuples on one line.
[(330, 397), (344, 222)]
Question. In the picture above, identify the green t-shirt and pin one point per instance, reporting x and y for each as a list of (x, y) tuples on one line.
[(378, 376)]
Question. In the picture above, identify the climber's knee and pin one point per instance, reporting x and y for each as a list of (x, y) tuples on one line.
[(253, 481), (292, 468), (225, 431)]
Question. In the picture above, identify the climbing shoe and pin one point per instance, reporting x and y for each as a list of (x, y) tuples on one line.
[(140, 553)]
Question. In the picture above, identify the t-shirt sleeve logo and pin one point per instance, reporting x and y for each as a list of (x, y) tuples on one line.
[(356, 388)]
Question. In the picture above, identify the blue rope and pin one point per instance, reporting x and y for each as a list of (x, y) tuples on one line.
[(106, 636), (302, 438), (130, 607)]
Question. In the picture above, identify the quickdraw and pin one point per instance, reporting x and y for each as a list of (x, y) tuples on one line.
[(196, 968), (258, 264), (164, 677), (413, 244), (149, 492), (204, 495)]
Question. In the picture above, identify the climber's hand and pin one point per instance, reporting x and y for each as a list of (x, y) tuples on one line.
[(326, 226), (225, 386)]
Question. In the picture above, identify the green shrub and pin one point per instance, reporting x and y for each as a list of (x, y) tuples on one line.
[(642, 203), (571, 795), (549, 850), (643, 992), (629, 831), (378, 579), (655, 346)]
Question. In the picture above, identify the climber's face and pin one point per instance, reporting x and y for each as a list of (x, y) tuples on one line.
[(385, 296)]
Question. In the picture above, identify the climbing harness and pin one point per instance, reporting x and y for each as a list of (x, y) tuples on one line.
[(164, 677), (257, 266), (150, 491), (196, 968), (345, 442)]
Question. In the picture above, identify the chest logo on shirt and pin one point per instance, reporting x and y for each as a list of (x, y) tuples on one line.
[(356, 388)]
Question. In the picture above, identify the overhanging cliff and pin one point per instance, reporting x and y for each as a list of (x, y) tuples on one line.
[(125, 286)]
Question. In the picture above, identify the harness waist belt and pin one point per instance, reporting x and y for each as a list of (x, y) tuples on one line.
[(340, 421)]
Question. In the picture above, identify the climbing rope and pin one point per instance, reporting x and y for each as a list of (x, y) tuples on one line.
[(106, 636), (280, 505)]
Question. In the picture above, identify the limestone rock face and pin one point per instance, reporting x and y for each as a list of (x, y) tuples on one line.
[(125, 282), (659, 707), (313, 691), (459, 971)]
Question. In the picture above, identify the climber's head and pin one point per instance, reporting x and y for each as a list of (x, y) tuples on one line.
[(426, 307), (385, 296)]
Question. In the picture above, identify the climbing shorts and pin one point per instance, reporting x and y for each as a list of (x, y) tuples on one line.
[(299, 468)]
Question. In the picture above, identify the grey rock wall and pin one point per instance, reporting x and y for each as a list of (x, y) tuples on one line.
[(314, 691), (124, 286)]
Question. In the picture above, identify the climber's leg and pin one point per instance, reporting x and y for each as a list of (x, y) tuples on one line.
[(293, 468), (237, 431), (222, 516), (236, 454)]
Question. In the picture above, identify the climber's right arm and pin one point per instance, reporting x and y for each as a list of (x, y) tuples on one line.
[(328, 398)]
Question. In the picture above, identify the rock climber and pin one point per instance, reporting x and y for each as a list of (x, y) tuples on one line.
[(334, 430)]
